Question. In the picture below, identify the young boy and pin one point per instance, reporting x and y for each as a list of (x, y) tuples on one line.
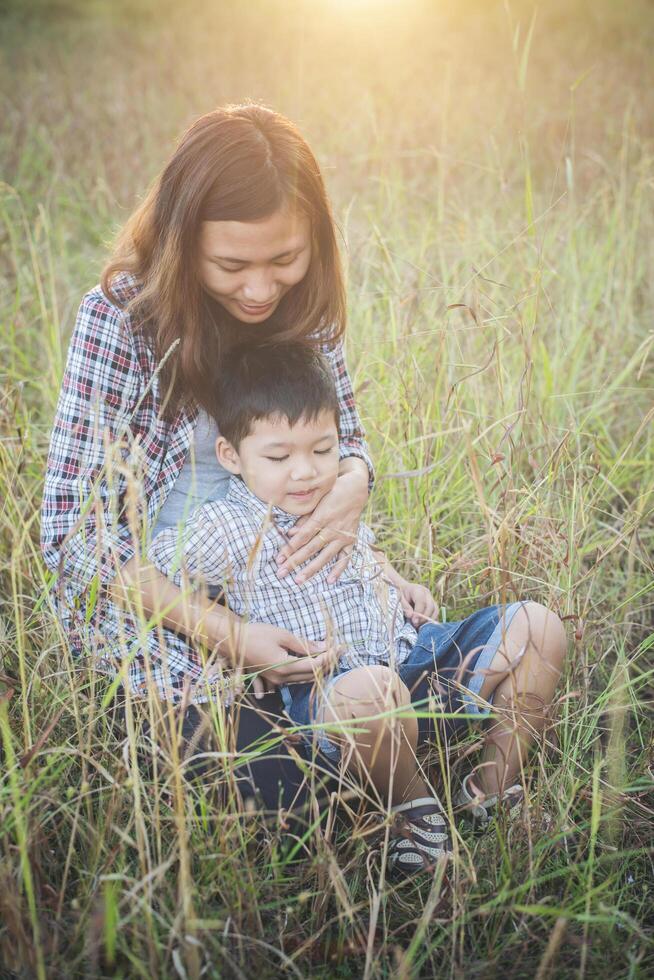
[(277, 412)]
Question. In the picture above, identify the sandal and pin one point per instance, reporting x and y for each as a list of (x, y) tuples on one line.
[(481, 809), (421, 837)]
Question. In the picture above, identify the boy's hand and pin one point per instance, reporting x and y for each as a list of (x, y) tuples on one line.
[(418, 604)]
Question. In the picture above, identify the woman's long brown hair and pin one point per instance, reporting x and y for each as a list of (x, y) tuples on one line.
[(240, 163)]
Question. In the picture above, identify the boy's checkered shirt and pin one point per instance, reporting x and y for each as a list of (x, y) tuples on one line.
[(232, 544)]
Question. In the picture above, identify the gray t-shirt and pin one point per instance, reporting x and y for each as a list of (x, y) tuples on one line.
[(201, 478)]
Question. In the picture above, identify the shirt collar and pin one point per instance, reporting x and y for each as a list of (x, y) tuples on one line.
[(243, 496)]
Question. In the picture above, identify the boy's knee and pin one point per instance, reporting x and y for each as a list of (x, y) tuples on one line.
[(537, 638), (546, 633), (366, 691)]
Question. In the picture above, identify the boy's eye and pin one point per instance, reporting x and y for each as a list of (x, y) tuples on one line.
[(276, 459), (323, 452)]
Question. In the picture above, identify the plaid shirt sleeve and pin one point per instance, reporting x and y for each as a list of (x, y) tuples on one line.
[(352, 435), (198, 551), (82, 533)]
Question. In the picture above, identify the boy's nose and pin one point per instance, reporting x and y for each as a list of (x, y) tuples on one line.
[(303, 470)]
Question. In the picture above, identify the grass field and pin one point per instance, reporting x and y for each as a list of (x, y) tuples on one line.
[(490, 165)]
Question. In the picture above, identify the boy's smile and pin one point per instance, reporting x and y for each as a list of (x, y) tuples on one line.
[(291, 467)]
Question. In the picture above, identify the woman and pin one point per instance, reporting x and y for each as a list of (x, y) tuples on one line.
[(235, 242)]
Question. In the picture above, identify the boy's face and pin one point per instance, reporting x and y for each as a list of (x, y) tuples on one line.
[(292, 467)]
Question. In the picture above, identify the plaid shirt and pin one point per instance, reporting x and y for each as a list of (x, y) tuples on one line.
[(232, 543), (109, 438)]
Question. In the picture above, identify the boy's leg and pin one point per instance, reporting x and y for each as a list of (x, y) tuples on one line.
[(520, 682), (382, 753), (381, 750)]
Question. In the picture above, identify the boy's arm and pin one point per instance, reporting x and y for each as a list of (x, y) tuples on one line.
[(418, 604), (389, 573), (199, 552)]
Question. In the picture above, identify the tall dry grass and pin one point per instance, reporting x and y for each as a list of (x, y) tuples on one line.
[(491, 168)]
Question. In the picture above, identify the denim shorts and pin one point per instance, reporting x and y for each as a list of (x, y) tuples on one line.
[(444, 674)]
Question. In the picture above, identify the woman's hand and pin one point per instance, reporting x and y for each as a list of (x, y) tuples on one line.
[(330, 530), (278, 657), (418, 604)]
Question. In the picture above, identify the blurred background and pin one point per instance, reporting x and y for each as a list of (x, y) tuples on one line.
[(476, 109)]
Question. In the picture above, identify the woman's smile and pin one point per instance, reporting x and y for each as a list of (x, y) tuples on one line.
[(251, 310)]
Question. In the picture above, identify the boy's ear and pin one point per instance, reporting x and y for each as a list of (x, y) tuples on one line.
[(227, 456)]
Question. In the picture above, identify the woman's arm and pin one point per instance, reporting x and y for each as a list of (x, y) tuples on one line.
[(86, 474), (352, 438), (276, 655), (332, 527), (141, 586)]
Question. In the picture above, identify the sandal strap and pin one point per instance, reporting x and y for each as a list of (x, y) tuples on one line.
[(422, 801), (481, 807)]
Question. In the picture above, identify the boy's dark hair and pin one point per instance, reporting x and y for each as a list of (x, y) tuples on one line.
[(292, 380)]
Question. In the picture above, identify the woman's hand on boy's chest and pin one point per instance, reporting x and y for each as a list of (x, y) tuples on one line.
[(361, 568), (328, 533)]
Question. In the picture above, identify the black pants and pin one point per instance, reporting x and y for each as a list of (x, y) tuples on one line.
[(271, 777), (269, 774)]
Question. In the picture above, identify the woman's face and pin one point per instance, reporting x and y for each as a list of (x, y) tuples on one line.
[(248, 266)]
